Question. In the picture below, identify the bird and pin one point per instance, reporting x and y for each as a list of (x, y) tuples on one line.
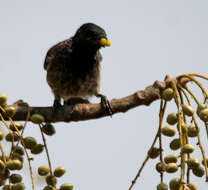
[(73, 67)]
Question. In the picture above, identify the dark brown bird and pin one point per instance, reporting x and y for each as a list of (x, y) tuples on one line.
[(73, 67)]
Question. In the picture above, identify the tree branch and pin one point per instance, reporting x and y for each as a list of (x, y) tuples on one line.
[(83, 112)]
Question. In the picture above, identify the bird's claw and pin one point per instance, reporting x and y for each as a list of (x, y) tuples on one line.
[(106, 105)]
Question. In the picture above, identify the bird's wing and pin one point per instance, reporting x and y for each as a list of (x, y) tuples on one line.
[(56, 51)]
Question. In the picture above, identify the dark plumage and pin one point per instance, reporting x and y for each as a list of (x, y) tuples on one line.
[(73, 65)]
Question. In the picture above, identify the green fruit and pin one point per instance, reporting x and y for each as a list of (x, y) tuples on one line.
[(16, 156), (193, 163), (168, 131), (188, 110), (187, 148), (1, 135), (3, 100), (168, 94), (10, 111), (30, 142), (172, 118), (37, 118), (14, 165), (171, 158), (174, 184), (12, 137), (160, 167), (162, 186), (18, 186), (204, 115), (183, 127), (192, 186), (51, 180), (171, 168), (200, 108), (49, 187), (6, 187), (2, 166), (37, 149), (199, 172), (49, 129), (19, 150), (154, 152), (185, 187), (193, 131), (66, 186), (18, 126), (5, 174), (206, 161), (43, 170), (59, 171), (175, 144), (2, 182), (15, 178)]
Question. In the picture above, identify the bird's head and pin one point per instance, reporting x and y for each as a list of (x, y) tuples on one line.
[(90, 35)]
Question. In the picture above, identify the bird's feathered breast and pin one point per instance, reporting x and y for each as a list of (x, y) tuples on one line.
[(72, 73)]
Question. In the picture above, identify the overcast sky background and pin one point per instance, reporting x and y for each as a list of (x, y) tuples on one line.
[(150, 38)]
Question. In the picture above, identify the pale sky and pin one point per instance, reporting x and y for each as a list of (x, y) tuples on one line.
[(149, 39)]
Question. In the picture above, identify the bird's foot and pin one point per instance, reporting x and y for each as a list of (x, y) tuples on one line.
[(106, 104)]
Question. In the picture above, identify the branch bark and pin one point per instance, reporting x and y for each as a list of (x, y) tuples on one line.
[(83, 112)]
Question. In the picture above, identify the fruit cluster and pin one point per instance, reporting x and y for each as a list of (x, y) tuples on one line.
[(185, 130), (25, 146), (51, 180)]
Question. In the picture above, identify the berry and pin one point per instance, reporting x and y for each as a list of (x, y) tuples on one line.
[(37, 118)]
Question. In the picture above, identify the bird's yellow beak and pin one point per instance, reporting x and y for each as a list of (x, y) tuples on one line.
[(104, 42)]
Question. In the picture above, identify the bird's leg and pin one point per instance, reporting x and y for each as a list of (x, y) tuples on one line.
[(105, 104), (56, 104)]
